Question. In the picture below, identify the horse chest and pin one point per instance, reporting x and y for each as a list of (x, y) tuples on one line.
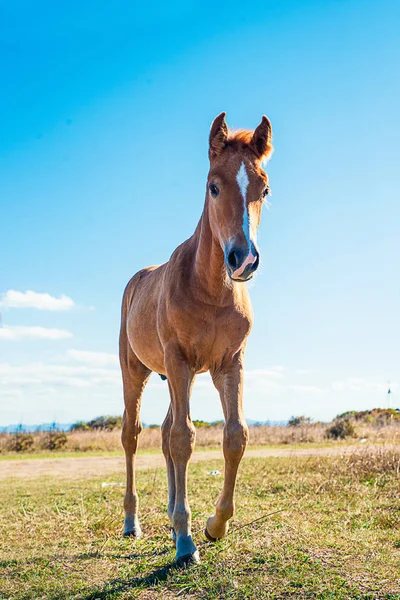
[(209, 334)]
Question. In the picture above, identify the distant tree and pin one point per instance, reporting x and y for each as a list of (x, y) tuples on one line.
[(199, 423), (298, 421), (108, 423)]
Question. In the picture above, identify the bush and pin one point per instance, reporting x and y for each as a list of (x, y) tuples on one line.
[(198, 423), (377, 416), (109, 423), (80, 426), (54, 440), (340, 429), (20, 442), (299, 421)]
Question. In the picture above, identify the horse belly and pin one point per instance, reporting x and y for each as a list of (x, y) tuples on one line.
[(142, 330), (147, 348)]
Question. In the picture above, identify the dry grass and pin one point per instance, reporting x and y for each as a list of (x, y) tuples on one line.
[(208, 437)]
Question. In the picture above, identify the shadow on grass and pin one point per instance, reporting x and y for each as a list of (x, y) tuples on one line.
[(119, 586), (45, 561), (110, 589)]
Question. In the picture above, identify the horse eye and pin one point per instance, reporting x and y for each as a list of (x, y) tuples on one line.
[(214, 191), (266, 192)]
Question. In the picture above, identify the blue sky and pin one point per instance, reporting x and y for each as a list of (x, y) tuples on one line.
[(105, 111)]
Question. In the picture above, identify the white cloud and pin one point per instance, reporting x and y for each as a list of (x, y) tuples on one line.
[(358, 384), (274, 372), (30, 299), (277, 379), (305, 389), (99, 359), (302, 371), (40, 374), (83, 384), (19, 332)]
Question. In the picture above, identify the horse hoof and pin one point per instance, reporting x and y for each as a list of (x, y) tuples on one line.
[(209, 537), (133, 533), (188, 559)]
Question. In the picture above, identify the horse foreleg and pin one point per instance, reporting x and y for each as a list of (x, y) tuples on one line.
[(229, 383), (134, 376), (181, 444)]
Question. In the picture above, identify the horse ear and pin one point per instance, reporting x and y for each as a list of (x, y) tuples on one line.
[(261, 142), (218, 135)]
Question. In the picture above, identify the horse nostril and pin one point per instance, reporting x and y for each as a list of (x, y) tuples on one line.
[(233, 259), (256, 262)]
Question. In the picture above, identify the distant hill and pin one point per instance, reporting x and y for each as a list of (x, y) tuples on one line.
[(253, 423), (375, 416), (36, 428)]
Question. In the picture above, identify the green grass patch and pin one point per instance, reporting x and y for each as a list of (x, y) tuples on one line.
[(337, 535)]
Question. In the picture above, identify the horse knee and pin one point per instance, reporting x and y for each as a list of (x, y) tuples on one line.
[(236, 435), (181, 440), (130, 433), (131, 428)]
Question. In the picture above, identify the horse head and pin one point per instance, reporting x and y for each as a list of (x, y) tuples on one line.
[(237, 187)]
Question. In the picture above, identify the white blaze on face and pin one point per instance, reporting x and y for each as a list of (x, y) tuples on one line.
[(243, 182)]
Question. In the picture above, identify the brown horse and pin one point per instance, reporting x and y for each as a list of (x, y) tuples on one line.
[(191, 315)]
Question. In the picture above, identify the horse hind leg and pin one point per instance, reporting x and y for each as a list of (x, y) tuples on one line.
[(165, 433), (134, 376)]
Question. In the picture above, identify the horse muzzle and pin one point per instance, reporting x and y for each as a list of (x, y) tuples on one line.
[(241, 263)]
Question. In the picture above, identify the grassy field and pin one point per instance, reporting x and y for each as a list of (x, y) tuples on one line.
[(337, 534)]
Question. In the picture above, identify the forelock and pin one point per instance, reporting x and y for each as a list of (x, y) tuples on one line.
[(239, 139)]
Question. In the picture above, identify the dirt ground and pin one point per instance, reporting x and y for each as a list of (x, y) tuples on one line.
[(93, 466)]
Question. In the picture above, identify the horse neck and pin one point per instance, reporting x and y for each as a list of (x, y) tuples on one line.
[(209, 266)]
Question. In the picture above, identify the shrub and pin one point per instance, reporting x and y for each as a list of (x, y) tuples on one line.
[(20, 442), (80, 426), (340, 429), (299, 421), (376, 416), (105, 423), (198, 423), (54, 440)]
